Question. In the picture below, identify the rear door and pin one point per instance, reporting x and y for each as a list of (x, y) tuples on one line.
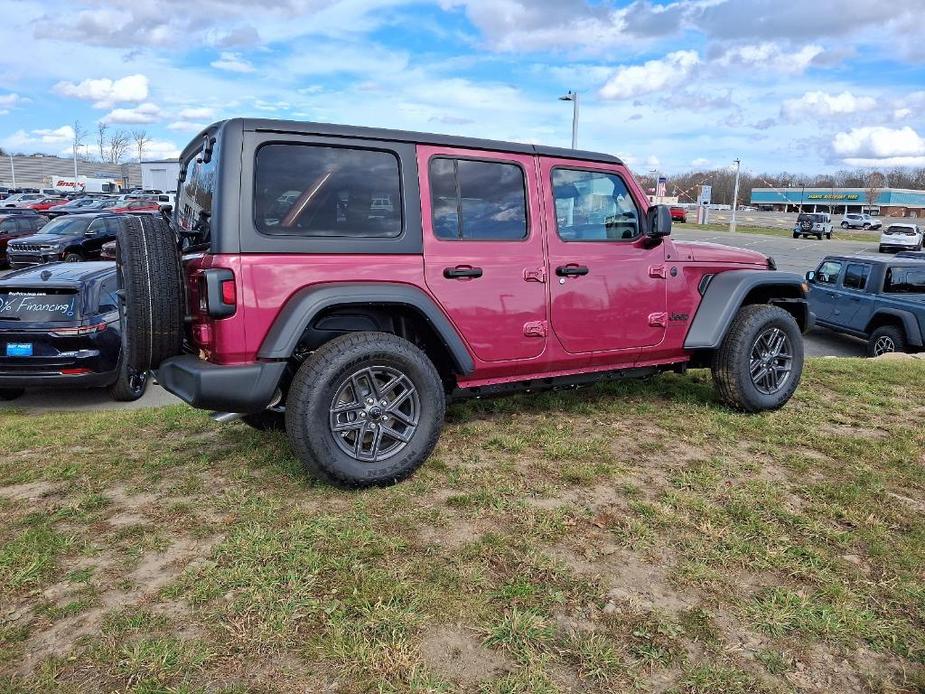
[(608, 289), (483, 248)]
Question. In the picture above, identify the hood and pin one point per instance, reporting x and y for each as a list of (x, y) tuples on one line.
[(701, 251), (49, 239)]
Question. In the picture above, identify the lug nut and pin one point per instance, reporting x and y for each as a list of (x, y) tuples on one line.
[(370, 401), (363, 415), (383, 403)]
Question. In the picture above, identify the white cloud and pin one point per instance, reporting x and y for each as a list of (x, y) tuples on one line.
[(104, 93), (822, 105), (700, 162), (770, 57), (651, 76), (203, 113), (232, 62), (901, 113), (161, 149), (143, 113), (46, 140), (9, 101), (880, 146), (185, 126)]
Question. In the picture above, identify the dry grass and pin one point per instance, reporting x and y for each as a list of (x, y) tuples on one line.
[(627, 537)]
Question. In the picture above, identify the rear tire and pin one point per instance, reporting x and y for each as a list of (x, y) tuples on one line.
[(886, 339), (844, 225), (11, 393), (130, 384), (366, 409), (747, 375), (149, 273), (829, 236)]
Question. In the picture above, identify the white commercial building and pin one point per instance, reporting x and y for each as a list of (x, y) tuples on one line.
[(160, 175)]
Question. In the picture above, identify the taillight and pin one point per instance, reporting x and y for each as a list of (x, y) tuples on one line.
[(82, 330), (217, 293)]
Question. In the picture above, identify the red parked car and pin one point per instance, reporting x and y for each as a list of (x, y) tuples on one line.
[(133, 206), (346, 282), (678, 214), (44, 204)]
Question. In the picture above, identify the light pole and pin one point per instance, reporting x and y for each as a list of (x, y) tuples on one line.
[(13, 170), (573, 97), (735, 197)]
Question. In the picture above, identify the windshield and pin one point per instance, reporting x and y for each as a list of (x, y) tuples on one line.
[(67, 226), (38, 306)]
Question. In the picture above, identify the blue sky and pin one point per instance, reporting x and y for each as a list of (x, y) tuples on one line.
[(795, 86)]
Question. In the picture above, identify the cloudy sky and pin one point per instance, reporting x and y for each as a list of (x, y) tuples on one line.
[(784, 85)]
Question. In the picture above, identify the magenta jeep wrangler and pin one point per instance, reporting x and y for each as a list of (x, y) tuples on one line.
[(344, 282)]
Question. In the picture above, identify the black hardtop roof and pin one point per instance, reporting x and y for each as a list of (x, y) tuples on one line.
[(58, 274), (875, 259), (388, 135)]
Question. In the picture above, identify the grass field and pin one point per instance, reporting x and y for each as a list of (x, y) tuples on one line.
[(633, 536), (838, 233)]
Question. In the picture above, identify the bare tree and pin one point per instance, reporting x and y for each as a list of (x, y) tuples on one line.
[(118, 146), (79, 134), (141, 139), (101, 129), (874, 185)]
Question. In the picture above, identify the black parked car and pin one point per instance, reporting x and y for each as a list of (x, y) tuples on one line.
[(71, 238), (60, 326), (14, 226)]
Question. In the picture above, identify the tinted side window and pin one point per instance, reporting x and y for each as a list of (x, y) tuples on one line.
[(108, 300), (905, 280), (478, 200), (593, 206), (828, 272), (856, 276), (313, 190)]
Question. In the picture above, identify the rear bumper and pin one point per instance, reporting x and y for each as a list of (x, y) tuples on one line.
[(242, 388), (38, 379)]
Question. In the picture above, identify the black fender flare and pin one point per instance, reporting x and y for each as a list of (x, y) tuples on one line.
[(724, 296), (305, 304), (910, 324)]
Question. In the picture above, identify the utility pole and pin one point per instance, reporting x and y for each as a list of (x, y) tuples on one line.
[(13, 170), (573, 97), (735, 197)]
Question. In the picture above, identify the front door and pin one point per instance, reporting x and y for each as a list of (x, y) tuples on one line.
[(824, 291), (483, 248), (608, 285)]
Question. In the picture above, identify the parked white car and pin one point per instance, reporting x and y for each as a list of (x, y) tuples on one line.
[(856, 220), (901, 237)]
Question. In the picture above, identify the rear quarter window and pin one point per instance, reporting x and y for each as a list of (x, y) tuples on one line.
[(327, 192)]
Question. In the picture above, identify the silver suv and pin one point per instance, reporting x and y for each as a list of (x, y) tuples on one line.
[(816, 224), (856, 220)]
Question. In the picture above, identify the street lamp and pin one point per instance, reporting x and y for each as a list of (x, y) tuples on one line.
[(573, 97)]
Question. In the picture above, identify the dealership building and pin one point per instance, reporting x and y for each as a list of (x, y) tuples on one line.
[(890, 202)]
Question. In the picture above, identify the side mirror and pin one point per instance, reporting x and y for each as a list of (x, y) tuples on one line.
[(658, 221), (811, 276)]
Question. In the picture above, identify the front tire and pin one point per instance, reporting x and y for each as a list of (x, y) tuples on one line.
[(760, 361), (365, 409), (72, 257), (130, 384), (886, 339), (844, 225), (796, 235)]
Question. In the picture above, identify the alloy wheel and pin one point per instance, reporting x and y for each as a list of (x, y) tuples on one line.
[(884, 345), (374, 413), (771, 361)]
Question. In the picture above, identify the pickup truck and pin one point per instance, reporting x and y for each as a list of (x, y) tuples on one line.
[(879, 299)]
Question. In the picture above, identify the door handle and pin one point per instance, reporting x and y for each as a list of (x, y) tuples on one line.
[(571, 270), (459, 272)]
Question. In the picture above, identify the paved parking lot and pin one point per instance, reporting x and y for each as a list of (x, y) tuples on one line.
[(795, 255)]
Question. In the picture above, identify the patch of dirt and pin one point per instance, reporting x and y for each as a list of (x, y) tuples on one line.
[(456, 654), (857, 432), (459, 531), (643, 585), (155, 571), (914, 504), (32, 491)]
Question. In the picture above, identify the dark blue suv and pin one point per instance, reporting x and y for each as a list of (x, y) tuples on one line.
[(60, 326), (879, 299)]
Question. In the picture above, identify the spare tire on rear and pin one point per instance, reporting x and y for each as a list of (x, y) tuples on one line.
[(150, 278)]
